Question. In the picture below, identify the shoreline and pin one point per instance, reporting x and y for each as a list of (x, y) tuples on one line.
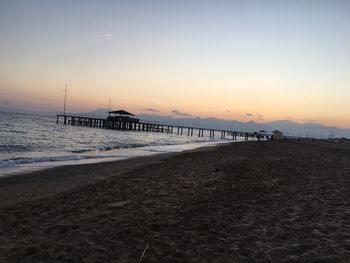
[(269, 201), (100, 156), (53, 180)]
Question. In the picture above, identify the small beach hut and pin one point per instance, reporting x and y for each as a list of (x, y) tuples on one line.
[(121, 115), (263, 134)]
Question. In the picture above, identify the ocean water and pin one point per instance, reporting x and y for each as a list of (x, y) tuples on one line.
[(34, 142)]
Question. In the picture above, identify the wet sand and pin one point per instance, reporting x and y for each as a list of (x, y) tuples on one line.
[(243, 202)]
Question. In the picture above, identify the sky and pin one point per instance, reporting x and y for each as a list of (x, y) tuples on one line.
[(245, 60)]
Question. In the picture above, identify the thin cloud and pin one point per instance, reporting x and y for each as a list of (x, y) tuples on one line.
[(107, 35), (151, 110), (260, 116), (182, 114)]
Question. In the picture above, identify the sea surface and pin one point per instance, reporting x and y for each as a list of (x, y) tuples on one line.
[(34, 142)]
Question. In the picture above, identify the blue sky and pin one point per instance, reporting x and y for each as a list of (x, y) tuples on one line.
[(283, 59)]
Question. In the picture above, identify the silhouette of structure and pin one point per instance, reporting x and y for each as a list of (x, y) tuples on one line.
[(123, 120), (126, 121)]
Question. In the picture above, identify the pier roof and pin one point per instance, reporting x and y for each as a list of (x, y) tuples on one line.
[(121, 112), (277, 132)]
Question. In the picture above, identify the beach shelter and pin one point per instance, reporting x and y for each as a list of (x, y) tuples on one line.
[(263, 134), (121, 113)]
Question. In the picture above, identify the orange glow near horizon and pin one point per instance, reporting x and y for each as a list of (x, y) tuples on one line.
[(198, 98), (289, 62)]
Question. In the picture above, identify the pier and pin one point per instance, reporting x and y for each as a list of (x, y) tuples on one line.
[(123, 123)]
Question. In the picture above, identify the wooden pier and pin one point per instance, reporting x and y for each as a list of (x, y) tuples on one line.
[(130, 125)]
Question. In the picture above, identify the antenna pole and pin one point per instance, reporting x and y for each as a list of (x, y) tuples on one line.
[(65, 100), (109, 107)]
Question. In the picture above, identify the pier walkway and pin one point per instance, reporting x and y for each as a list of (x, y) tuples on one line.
[(155, 127)]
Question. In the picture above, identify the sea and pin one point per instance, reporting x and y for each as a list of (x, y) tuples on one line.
[(35, 142)]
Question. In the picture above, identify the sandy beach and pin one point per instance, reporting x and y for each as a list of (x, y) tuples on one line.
[(242, 202)]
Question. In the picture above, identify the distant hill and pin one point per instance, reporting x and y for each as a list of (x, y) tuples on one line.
[(286, 126)]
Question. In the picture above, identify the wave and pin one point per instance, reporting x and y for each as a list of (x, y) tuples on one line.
[(109, 148), (14, 131), (82, 151), (14, 148), (26, 160), (123, 146)]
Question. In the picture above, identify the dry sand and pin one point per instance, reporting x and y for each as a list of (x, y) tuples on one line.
[(245, 202)]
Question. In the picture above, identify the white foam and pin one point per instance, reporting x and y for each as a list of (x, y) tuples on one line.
[(27, 164)]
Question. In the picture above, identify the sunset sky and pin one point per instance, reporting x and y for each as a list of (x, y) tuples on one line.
[(245, 60)]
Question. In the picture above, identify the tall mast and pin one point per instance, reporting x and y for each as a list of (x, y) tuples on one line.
[(109, 107), (65, 100)]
